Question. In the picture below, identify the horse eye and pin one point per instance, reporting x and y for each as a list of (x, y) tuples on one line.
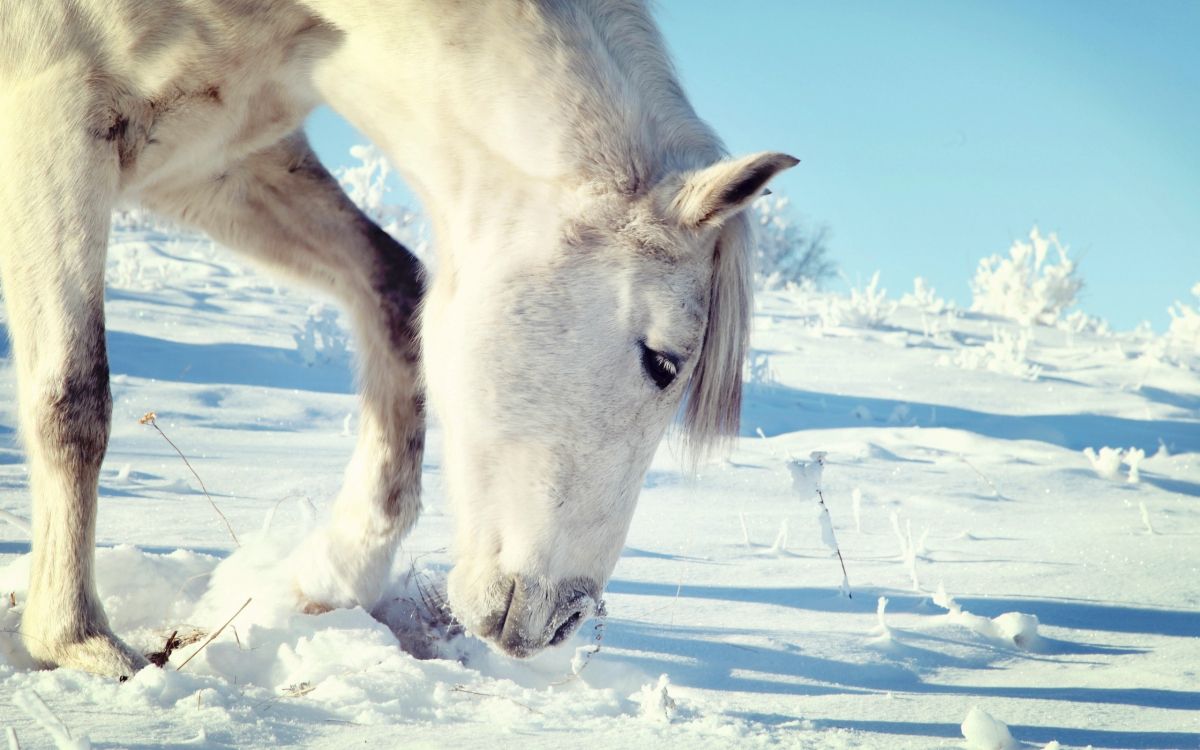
[(662, 368)]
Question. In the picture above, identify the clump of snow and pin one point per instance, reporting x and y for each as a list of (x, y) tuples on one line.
[(866, 307), (882, 631), (1011, 628), (1006, 354), (1025, 286), (1107, 462), (806, 481), (655, 701), (806, 475), (1133, 459), (982, 732)]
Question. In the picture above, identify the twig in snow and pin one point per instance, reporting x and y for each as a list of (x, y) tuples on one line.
[(1146, 518), (32, 704), (882, 630), (984, 477), (780, 545), (745, 531), (13, 744), (15, 520), (463, 689), (805, 477), (173, 643), (151, 419), (213, 636), (583, 655)]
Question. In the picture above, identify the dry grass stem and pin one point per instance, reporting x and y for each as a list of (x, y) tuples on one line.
[(836, 547), (463, 689), (212, 637), (173, 643), (151, 419)]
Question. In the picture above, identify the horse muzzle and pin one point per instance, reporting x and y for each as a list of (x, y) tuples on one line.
[(528, 614)]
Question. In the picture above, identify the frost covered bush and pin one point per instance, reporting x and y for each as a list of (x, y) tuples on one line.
[(758, 369), (367, 184), (924, 298), (321, 339), (1080, 322), (786, 254), (1006, 354), (1185, 323), (866, 307), (1026, 286)]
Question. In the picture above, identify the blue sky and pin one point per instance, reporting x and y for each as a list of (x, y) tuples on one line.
[(932, 134)]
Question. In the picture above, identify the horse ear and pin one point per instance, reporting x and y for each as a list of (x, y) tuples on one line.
[(710, 195)]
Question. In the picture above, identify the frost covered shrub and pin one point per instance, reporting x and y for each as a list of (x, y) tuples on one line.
[(866, 307), (1006, 354), (367, 184), (924, 298), (1080, 322), (1024, 286), (321, 339), (786, 254), (1185, 323)]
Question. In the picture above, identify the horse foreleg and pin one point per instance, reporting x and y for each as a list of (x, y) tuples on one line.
[(282, 207), (59, 177)]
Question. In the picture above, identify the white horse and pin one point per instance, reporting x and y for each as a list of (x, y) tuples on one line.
[(593, 269)]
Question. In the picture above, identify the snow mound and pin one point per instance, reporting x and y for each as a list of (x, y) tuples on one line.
[(982, 732)]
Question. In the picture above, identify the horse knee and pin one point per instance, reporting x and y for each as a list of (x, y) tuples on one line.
[(73, 414)]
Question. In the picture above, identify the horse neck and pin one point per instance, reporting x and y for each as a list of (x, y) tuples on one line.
[(503, 116)]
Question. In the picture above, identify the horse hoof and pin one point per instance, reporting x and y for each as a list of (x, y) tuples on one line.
[(309, 607), (103, 654)]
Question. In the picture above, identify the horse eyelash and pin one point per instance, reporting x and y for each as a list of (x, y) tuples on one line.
[(661, 367)]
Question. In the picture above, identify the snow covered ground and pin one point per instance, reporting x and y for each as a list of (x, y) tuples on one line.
[(956, 478)]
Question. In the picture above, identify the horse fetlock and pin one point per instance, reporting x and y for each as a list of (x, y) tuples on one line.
[(86, 646), (335, 570)]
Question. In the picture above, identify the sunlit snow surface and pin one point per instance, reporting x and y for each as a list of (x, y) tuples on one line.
[(968, 453)]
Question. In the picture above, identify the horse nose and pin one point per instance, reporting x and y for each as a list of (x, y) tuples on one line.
[(572, 616), (539, 616)]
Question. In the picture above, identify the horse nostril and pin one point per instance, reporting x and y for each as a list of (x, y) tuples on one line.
[(567, 628)]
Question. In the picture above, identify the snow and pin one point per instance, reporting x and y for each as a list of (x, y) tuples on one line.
[(985, 733), (1073, 620)]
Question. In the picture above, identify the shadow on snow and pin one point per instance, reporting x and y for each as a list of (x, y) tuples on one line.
[(777, 410)]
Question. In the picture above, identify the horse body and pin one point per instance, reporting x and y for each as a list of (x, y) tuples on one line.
[(592, 267)]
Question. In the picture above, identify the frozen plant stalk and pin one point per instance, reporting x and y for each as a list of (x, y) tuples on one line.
[(806, 481)]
